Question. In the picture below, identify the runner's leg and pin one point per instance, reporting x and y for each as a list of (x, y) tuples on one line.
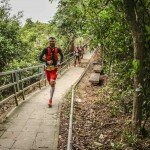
[(52, 84), (48, 75)]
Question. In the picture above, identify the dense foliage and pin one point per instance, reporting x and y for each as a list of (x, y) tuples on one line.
[(110, 26), (106, 24), (10, 42), (20, 46)]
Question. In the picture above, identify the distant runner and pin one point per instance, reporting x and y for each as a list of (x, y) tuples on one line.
[(49, 55), (77, 56), (81, 49)]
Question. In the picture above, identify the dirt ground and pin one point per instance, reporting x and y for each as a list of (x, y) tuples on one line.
[(95, 127)]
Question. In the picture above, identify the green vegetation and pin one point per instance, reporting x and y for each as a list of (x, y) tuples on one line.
[(120, 28), (21, 46)]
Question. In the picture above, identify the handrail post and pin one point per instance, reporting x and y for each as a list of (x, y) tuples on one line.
[(15, 92), (22, 86), (39, 70), (17, 81)]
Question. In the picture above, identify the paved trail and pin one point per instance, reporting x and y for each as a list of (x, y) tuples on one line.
[(34, 126)]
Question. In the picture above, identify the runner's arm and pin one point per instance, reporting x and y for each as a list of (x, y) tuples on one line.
[(42, 55)]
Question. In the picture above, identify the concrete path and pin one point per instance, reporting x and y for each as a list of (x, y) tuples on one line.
[(34, 126)]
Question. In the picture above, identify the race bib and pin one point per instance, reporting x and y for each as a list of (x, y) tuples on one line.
[(50, 68)]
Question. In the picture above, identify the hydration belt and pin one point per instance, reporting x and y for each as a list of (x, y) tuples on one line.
[(50, 68)]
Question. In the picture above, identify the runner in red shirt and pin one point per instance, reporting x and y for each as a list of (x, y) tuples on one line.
[(49, 55)]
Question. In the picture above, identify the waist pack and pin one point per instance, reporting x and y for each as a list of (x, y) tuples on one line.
[(50, 68)]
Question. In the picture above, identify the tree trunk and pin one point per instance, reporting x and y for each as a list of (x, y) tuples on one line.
[(138, 38), (71, 45)]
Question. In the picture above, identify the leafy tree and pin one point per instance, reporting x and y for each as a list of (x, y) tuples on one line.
[(10, 42), (121, 28)]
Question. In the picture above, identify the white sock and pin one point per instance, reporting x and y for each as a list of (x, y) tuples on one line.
[(52, 92)]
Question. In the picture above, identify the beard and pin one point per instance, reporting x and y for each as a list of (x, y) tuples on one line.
[(52, 45)]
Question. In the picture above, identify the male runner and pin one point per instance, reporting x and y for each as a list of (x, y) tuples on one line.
[(49, 55)]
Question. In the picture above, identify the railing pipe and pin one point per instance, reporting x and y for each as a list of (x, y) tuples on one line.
[(69, 144), (17, 80)]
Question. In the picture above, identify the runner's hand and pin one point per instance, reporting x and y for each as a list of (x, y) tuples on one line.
[(58, 65), (50, 62)]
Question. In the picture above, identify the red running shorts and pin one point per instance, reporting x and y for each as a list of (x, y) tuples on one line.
[(51, 75)]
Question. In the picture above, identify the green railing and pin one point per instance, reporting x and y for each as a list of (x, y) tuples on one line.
[(16, 80)]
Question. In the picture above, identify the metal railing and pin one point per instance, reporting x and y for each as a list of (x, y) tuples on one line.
[(66, 63), (69, 142), (17, 80)]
